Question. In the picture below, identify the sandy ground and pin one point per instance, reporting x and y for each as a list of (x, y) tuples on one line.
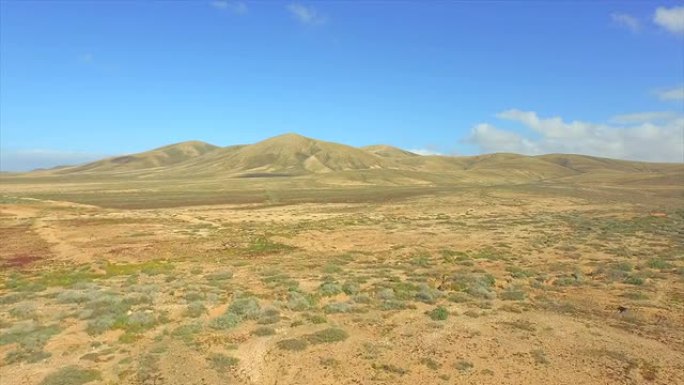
[(561, 270)]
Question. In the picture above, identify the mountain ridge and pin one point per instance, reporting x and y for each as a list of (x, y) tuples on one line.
[(294, 155)]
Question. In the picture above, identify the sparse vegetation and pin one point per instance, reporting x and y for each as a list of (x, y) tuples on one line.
[(222, 362), (71, 375), (437, 289), (293, 344), (439, 313), (328, 335)]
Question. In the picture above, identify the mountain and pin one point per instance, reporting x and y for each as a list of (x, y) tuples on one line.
[(327, 163), (388, 151), (288, 154), (160, 157)]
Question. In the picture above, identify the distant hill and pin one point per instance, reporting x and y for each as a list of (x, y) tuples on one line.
[(296, 156), (388, 151), (159, 157)]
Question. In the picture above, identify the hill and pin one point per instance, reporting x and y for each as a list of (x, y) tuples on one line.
[(327, 163), (160, 157)]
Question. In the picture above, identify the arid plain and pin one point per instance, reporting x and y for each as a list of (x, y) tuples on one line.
[(296, 261)]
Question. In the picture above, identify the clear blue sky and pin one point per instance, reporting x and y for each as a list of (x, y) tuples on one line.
[(81, 79)]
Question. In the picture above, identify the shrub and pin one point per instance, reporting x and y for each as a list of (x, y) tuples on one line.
[(350, 288), (329, 289), (338, 307), (269, 316), (439, 313), (316, 318), (657, 263), (293, 344), (427, 294), (386, 294), (297, 301), (513, 295), (225, 321), (327, 336), (71, 375), (136, 322), (23, 310), (30, 338), (390, 368), (100, 325), (195, 309), (539, 356), (362, 299), (222, 362), (463, 366), (263, 331), (393, 305), (634, 280), (245, 308), (430, 363)]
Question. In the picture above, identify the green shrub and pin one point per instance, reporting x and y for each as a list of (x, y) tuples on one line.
[(439, 313), (390, 368), (316, 318), (657, 263), (327, 336), (71, 375), (269, 316), (222, 362), (329, 289), (386, 294), (225, 321), (297, 301), (245, 308), (195, 309), (350, 288), (512, 294), (539, 357), (263, 331), (23, 310), (293, 344), (393, 305), (338, 307), (634, 280), (463, 366)]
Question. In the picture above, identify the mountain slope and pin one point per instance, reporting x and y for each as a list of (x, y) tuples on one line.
[(327, 163), (388, 151), (289, 154), (160, 157)]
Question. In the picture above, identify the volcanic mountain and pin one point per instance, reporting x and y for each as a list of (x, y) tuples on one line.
[(296, 156)]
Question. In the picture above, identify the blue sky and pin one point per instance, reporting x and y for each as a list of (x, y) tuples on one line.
[(80, 80)]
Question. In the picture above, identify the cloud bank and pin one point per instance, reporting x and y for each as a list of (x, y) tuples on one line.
[(671, 94), (670, 19), (644, 136)]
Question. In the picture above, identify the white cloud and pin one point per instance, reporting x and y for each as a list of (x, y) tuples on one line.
[(31, 159), (671, 19), (237, 7), (306, 15), (644, 117), (669, 94), (424, 151), (626, 20), (641, 139)]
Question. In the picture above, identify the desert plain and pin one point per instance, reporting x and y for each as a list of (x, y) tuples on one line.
[(296, 261)]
